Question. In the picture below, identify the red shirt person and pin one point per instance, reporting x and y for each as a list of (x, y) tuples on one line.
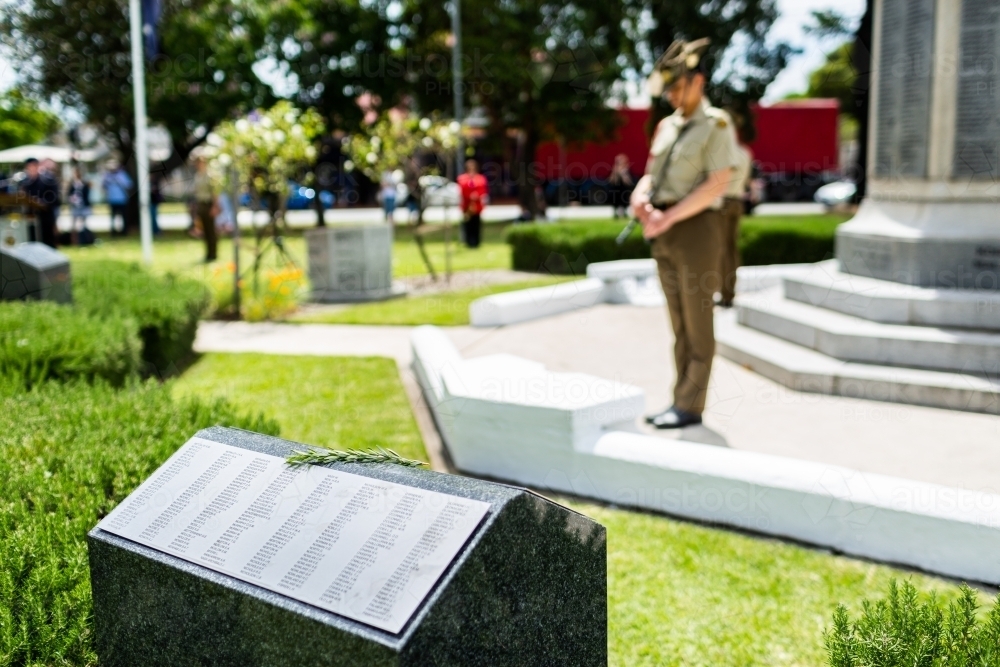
[(475, 194)]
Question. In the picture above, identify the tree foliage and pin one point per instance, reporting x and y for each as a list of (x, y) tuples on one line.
[(544, 68), (836, 79), (79, 53), (744, 62), (338, 51), (268, 148), (389, 143), (23, 121)]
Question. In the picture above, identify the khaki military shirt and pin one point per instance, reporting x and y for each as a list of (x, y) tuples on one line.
[(741, 172), (705, 144)]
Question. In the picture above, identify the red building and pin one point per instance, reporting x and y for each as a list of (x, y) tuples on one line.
[(796, 149)]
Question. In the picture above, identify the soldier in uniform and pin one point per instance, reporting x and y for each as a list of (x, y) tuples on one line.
[(733, 208), (678, 203)]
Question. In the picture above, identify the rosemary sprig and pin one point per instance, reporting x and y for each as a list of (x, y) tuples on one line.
[(319, 456)]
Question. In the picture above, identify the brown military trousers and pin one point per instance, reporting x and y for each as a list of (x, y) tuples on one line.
[(732, 211), (687, 257)]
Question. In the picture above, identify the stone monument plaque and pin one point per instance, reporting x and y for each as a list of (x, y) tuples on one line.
[(316, 535), (228, 556), (904, 88), (34, 271), (977, 126), (351, 263)]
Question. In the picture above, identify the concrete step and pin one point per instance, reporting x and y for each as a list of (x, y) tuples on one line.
[(803, 369), (851, 338), (894, 303)]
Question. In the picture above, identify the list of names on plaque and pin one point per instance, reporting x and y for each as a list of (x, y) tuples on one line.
[(360, 547)]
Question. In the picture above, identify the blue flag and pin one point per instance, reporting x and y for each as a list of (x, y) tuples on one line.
[(151, 10)]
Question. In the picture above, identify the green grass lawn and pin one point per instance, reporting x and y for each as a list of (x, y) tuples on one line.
[(337, 402), (685, 594), (448, 309), (176, 252), (679, 593)]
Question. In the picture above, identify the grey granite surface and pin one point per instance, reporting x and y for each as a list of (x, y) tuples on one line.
[(529, 588)]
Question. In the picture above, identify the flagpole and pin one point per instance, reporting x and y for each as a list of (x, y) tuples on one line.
[(141, 144)]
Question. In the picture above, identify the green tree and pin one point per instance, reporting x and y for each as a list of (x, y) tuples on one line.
[(744, 62), (78, 52), (835, 79), (23, 121), (267, 149), (337, 51), (545, 69)]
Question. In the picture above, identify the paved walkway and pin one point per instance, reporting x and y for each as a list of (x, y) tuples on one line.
[(746, 411)]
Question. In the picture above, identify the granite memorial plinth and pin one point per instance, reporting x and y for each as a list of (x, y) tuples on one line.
[(931, 217), (351, 263), (34, 271), (227, 556)]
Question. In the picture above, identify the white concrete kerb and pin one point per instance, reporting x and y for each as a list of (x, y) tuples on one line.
[(508, 418)]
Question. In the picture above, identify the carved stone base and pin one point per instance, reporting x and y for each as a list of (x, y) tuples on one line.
[(931, 244)]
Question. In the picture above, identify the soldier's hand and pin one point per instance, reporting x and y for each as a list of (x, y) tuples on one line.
[(655, 223)]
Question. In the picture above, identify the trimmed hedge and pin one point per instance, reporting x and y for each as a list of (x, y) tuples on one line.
[(567, 248), (68, 454), (166, 309), (45, 341)]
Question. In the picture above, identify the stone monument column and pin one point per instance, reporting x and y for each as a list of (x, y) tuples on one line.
[(932, 212)]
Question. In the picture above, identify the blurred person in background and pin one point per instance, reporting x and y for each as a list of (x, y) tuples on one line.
[(78, 196), (206, 208), (620, 184), (44, 190), (49, 167), (475, 194), (117, 186), (387, 193), (155, 199)]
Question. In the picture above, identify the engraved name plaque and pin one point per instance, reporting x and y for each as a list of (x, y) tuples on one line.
[(902, 125), (364, 548), (977, 125)]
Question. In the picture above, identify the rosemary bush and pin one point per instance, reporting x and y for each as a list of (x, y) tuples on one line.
[(165, 308), (45, 341), (68, 454), (905, 630)]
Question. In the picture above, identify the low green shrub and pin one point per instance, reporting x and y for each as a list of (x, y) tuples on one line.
[(45, 341), (904, 630), (68, 454), (165, 308), (567, 248), (795, 241)]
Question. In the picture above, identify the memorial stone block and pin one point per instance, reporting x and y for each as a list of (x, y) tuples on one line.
[(34, 271), (350, 263), (227, 556)]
